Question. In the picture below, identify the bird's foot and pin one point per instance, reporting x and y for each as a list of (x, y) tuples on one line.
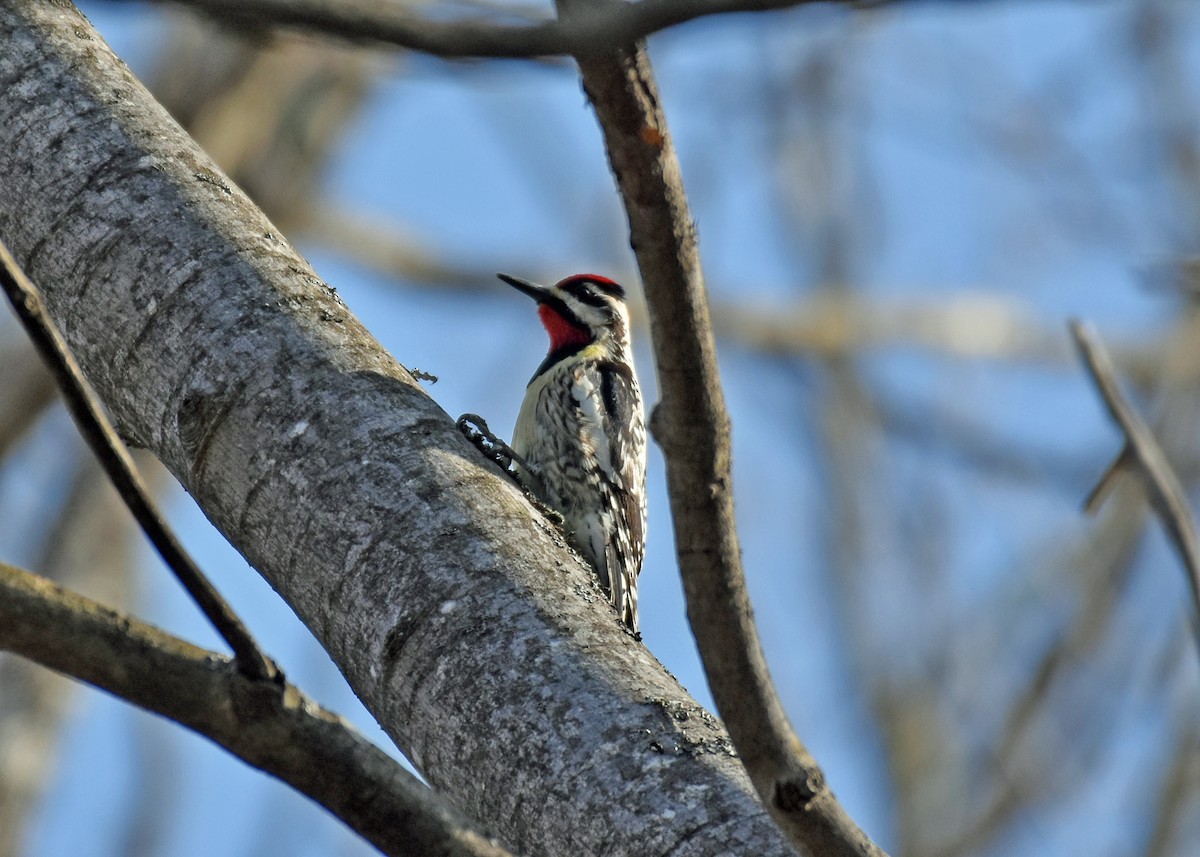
[(475, 429)]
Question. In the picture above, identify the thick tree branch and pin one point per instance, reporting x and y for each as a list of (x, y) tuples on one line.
[(93, 424), (602, 28), (1146, 458), (478, 641), (692, 426), (274, 728)]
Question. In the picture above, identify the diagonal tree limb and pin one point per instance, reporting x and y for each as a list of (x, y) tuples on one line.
[(479, 642), (274, 728), (100, 435), (1144, 456), (691, 425), (395, 24)]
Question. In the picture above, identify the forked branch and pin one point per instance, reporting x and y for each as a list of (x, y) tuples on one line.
[(1143, 456)]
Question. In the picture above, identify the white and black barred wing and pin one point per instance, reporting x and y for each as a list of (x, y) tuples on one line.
[(585, 437), (611, 410)]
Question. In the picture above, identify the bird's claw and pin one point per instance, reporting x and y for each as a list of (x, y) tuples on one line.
[(475, 429)]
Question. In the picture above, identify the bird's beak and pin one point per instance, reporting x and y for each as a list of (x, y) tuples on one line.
[(538, 293)]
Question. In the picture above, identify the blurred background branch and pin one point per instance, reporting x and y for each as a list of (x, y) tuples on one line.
[(596, 30)]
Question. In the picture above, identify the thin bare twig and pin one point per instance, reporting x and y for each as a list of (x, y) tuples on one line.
[(1143, 455), (113, 455), (601, 29), (275, 728), (692, 427)]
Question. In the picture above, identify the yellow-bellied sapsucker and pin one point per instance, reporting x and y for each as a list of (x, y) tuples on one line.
[(581, 432)]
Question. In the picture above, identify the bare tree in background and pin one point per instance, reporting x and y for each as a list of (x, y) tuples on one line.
[(993, 711)]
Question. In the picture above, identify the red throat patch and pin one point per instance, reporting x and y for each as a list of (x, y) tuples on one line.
[(562, 332)]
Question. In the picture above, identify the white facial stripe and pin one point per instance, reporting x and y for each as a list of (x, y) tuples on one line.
[(612, 317)]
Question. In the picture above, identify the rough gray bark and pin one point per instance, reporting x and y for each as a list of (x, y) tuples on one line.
[(481, 645)]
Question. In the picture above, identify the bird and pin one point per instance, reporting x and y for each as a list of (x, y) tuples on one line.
[(580, 435)]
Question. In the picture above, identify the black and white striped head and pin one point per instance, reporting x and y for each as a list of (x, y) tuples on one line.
[(579, 310)]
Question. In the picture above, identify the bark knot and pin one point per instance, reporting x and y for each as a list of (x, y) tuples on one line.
[(197, 419), (796, 793)]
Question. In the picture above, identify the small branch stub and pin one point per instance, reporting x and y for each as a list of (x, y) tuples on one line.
[(795, 795)]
